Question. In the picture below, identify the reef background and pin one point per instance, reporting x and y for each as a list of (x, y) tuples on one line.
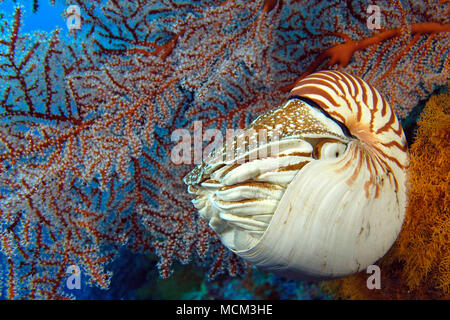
[(86, 118)]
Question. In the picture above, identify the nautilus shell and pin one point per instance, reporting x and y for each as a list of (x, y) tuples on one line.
[(323, 195)]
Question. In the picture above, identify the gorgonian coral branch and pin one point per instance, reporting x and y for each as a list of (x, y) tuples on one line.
[(85, 135), (341, 54)]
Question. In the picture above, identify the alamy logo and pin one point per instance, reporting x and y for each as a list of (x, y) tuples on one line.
[(374, 20), (188, 148), (374, 281), (73, 14), (74, 280)]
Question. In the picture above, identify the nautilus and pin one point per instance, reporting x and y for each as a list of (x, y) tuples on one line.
[(323, 195)]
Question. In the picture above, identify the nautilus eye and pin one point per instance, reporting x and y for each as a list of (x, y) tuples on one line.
[(315, 189)]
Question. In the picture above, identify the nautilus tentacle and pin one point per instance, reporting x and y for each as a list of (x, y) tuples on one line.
[(315, 189)]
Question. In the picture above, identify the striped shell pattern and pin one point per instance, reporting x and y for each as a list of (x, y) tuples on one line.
[(315, 189)]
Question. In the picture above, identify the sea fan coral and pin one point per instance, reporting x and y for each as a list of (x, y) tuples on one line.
[(85, 125), (418, 265)]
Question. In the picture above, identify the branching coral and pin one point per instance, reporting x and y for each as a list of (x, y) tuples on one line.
[(341, 54), (418, 265), (393, 59), (85, 135)]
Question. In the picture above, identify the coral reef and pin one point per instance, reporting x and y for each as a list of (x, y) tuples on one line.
[(188, 282), (86, 124), (418, 265)]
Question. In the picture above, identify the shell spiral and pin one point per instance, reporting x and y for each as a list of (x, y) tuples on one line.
[(315, 189)]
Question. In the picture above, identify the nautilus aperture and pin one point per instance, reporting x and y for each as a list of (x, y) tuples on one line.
[(323, 195)]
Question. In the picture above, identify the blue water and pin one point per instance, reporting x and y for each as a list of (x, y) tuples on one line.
[(47, 18)]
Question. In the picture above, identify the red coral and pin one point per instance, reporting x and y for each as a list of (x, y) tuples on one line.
[(341, 54), (85, 138), (406, 61)]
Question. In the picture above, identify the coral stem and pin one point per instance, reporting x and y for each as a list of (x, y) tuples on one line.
[(342, 53), (269, 5)]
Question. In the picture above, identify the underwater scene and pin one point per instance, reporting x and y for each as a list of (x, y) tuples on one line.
[(224, 150)]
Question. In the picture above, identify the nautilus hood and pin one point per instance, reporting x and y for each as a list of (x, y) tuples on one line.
[(314, 189)]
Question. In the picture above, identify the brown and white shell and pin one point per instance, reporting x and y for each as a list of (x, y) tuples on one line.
[(315, 189)]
